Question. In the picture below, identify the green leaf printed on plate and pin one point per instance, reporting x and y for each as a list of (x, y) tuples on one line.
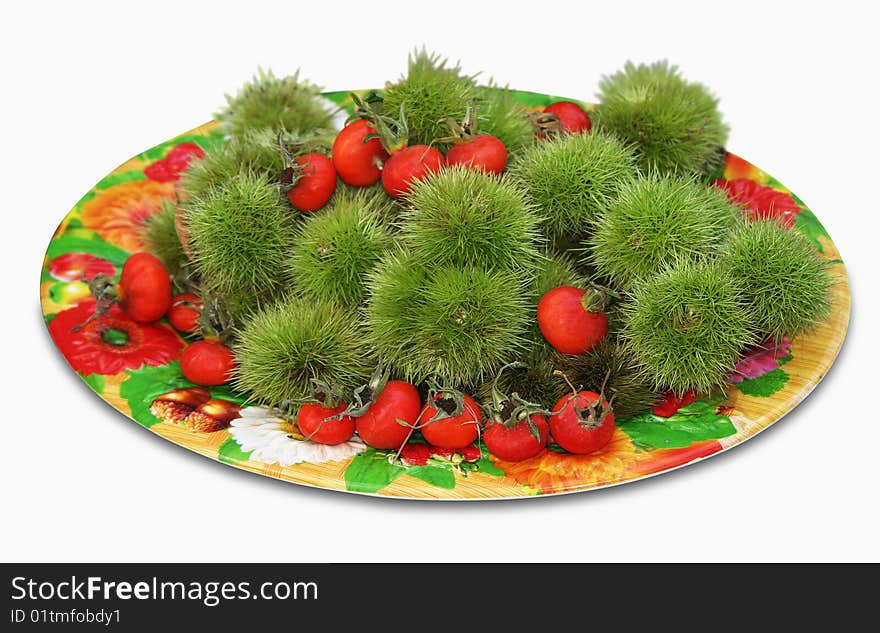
[(146, 384), (224, 392), (531, 99), (809, 225), (767, 384), (205, 142), (694, 423), (370, 472), (439, 476), (95, 381), (86, 242), (485, 465), (230, 452), (117, 179), (764, 386), (340, 98)]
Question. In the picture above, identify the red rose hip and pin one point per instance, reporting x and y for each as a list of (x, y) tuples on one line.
[(484, 152), (207, 363), (316, 182), (408, 165), (573, 119), (358, 163), (324, 424), (390, 418), (571, 320), (144, 288), (519, 442), (582, 423), (452, 431)]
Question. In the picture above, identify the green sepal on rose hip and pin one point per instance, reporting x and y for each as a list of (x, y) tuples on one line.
[(688, 326), (655, 220), (786, 284), (673, 124), (287, 346), (573, 178), (333, 250)]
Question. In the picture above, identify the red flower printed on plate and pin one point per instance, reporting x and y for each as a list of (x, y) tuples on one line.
[(763, 203), (80, 267), (176, 162), (110, 344)]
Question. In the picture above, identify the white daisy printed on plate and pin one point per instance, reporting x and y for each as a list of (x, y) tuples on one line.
[(272, 439)]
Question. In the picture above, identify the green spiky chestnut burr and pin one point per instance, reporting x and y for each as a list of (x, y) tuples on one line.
[(573, 178), (688, 326), (394, 287), (161, 239), (465, 217), (239, 234), (227, 309), (281, 104), (674, 124), (556, 270), (786, 283), (458, 324), (335, 249), (387, 208), (533, 380), (500, 116), (655, 220), (283, 349), (431, 90)]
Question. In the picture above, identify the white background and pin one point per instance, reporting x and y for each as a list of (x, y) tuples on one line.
[(84, 87)]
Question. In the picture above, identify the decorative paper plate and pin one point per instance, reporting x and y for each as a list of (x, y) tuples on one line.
[(131, 366)]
